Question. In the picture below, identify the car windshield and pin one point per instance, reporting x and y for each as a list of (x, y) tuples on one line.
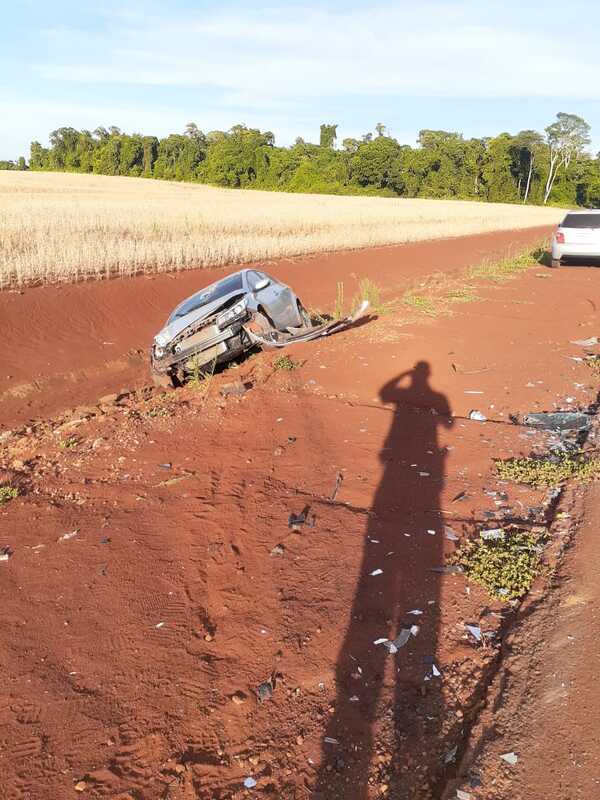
[(581, 221), (214, 292)]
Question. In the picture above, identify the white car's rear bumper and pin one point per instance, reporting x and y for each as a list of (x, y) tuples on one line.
[(582, 250)]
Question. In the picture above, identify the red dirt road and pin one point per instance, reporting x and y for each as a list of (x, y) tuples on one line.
[(68, 345), (154, 580)]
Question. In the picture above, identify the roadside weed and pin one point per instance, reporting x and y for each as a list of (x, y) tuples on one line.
[(286, 363), (338, 308), (544, 472), (507, 566), (423, 304), (7, 493)]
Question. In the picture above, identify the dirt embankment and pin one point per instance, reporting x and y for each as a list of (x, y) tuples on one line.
[(67, 345), (157, 587)]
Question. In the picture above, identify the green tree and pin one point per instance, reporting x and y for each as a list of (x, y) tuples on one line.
[(566, 139), (328, 135)]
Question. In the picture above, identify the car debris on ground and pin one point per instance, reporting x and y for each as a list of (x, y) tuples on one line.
[(5, 553)]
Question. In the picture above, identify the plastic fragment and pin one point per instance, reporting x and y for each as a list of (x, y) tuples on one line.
[(249, 783), (450, 534), (492, 534), (477, 416), (586, 342), (558, 421), (66, 536), (451, 755), (264, 691), (435, 671), (430, 531), (416, 612), (460, 795), (510, 758), (475, 631), (452, 569), (331, 740), (377, 572), (5, 553)]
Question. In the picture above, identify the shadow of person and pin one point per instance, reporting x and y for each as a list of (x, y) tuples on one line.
[(389, 703)]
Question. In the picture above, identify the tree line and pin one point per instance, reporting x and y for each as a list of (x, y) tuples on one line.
[(529, 167)]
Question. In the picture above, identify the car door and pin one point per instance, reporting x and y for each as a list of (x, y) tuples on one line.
[(278, 300)]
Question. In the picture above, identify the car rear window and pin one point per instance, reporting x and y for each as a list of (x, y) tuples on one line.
[(228, 285), (581, 221)]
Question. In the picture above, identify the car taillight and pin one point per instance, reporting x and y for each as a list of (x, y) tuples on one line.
[(560, 237)]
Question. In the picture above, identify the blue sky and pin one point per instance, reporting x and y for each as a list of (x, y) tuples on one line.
[(476, 66)]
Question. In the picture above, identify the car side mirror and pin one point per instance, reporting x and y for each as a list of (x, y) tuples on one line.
[(262, 284)]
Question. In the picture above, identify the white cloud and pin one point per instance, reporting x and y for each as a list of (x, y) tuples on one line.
[(425, 49)]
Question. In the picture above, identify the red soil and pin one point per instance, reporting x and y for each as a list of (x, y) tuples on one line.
[(132, 650), (70, 344)]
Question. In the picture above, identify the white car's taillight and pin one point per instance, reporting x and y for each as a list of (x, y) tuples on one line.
[(559, 237)]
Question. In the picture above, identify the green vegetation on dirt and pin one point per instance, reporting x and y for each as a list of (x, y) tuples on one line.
[(528, 167), (7, 493), (506, 567), (286, 363), (546, 472)]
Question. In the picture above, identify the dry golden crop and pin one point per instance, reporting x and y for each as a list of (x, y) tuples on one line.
[(64, 227)]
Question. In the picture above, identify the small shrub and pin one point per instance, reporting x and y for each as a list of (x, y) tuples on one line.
[(201, 377), (545, 472), (367, 290), (286, 363), (338, 308), (505, 567), (7, 493), (593, 363), (69, 443)]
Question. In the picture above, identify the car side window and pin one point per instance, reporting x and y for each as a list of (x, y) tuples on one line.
[(254, 278)]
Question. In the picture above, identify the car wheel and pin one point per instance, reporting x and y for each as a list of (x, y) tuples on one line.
[(555, 263)]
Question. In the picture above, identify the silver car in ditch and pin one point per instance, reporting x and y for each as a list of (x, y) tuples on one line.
[(222, 321), (577, 236)]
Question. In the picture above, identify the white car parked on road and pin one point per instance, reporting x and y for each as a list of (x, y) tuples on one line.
[(577, 236)]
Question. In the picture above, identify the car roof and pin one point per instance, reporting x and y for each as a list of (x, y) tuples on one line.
[(585, 211)]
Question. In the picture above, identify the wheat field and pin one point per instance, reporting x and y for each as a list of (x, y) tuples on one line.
[(66, 227)]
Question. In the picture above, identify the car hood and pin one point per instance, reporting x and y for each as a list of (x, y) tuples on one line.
[(165, 336)]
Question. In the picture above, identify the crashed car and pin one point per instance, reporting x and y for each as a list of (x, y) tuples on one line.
[(222, 321)]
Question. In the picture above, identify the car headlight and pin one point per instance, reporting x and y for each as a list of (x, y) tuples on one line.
[(159, 352), (160, 340), (236, 311)]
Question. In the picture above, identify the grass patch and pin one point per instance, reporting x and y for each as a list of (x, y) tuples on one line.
[(545, 472), (69, 443), (506, 567), (7, 493), (286, 363), (506, 268), (368, 290), (425, 305), (463, 294), (593, 363)]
